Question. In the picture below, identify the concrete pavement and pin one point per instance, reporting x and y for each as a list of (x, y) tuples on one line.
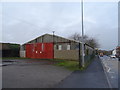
[(92, 77)]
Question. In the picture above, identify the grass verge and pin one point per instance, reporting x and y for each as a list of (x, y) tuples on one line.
[(73, 65)]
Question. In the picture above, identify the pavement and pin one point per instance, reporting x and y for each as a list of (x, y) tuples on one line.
[(111, 68), (32, 74), (92, 77)]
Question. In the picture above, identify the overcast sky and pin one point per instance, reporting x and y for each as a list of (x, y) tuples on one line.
[(25, 21)]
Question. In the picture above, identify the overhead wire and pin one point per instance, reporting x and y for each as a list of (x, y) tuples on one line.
[(23, 21)]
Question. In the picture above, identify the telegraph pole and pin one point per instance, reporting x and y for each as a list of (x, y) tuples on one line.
[(82, 35)]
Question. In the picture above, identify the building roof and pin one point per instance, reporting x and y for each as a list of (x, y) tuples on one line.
[(54, 36), (59, 37)]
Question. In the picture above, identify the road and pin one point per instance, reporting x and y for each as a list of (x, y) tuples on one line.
[(0, 78), (119, 74), (32, 74), (111, 68), (0, 72), (92, 77)]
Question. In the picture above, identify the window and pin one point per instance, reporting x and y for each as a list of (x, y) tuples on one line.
[(60, 47), (68, 47)]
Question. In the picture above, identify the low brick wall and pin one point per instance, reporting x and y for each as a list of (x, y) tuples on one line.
[(66, 54)]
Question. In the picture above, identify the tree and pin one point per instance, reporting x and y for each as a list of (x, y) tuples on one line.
[(93, 42), (78, 37), (90, 41), (75, 36)]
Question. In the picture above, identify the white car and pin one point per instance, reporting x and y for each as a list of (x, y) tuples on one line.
[(112, 56)]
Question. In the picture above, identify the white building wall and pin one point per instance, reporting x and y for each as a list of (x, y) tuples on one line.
[(22, 54)]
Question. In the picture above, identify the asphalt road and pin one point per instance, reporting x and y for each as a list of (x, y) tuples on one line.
[(119, 74), (0, 72), (0, 78), (93, 77), (111, 65), (32, 74)]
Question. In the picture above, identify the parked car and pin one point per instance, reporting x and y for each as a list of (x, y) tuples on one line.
[(101, 54), (112, 56)]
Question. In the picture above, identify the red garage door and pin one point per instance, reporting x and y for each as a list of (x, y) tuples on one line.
[(39, 50)]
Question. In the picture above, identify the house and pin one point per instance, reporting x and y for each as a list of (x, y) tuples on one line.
[(114, 52), (50, 46)]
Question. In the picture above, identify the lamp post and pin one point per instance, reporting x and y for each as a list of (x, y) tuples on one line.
[(82, 34), (53, 43), (80, 64)]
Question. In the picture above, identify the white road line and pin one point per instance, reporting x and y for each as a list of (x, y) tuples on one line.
[(111, 72), (112, 77), (106, 76), (108, 69)]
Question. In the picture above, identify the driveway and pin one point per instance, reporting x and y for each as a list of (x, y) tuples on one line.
[(32, 73)]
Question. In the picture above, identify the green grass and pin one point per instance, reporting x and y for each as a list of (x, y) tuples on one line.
[(73, 65)]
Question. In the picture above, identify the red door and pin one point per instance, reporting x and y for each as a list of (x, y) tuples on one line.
[(28, 50), (39, 50)]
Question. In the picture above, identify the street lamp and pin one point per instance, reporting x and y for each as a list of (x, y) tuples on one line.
[(82, 34)]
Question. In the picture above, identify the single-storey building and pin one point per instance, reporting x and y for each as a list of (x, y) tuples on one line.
[(9, 50), (50, 46)]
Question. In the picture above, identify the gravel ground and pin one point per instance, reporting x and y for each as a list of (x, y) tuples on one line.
[(32, 74)]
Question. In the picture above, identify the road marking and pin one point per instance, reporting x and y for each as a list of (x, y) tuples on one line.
[(109, 83), (112, 77), (111, 72), (108, 69)]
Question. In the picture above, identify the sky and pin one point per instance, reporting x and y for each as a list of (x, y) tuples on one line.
[(24, 21)]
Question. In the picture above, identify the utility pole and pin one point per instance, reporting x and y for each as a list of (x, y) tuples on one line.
[(53, 43), (80, 64), (82, 35)]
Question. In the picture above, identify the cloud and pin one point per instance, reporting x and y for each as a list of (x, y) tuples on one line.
[(25, 21)]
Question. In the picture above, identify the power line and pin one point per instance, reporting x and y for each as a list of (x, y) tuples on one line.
[(23, 21)]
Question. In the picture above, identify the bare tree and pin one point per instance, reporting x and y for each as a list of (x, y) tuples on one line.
[(75, 36), (90, 41), (78, 37), (93, 42)]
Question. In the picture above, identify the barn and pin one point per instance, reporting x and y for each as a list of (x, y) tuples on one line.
[(50, 46)]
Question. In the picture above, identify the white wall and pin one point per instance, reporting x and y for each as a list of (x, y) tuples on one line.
[(22, 54)]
